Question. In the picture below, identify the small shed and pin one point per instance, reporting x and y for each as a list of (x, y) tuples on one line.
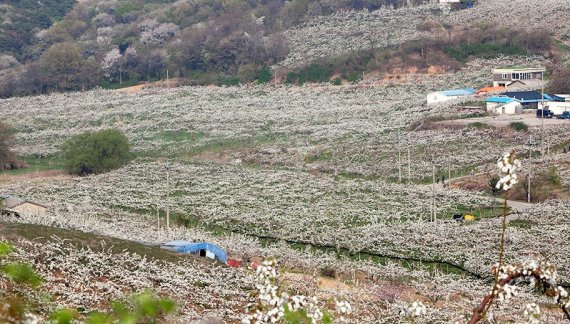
[(503, 105), (202, 249), (19, 206)]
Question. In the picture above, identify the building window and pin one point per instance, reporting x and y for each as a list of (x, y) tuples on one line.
[(515, 76), (504, 76)]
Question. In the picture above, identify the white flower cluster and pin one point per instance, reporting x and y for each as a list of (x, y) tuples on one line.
[(532, 313), (311, 305), (506, 292), (541, 272), (417, 309), (272, 304), (343, 307), (297, 302), (508, 166)]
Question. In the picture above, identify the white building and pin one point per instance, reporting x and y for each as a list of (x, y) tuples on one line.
[(556, 107), (503, 105), (448, 95)]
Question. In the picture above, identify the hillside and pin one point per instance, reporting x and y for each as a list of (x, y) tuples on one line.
[(296, 137), (113, 44)]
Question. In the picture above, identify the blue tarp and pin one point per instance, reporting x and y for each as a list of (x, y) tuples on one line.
[(192, 247), (500, 99), (458, 92)]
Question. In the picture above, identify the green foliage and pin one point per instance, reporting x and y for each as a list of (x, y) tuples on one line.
[(63, 316), (337, 81), (144, 307), (22, 273), (264, 76), (296, 317), (553, 177), (229, 81), (519, 126), (354, 76), (5, 249), (312, 73), (521, 223), (327, 317), (462, 52), (96, 152), (26, 18)]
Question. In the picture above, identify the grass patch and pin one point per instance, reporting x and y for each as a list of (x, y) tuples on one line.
[(50, 162), (481, 212), (521, 223), (16, 231), (464, 51), (253, 141), (320, 157)]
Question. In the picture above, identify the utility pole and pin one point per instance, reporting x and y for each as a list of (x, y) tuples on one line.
[(542, 119), (433, 190), (167, 197), (157, 216), (167, 84), (399, 159), (529, 161), (409, 166), (275, 76)]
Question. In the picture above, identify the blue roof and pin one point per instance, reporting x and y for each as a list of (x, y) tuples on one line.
[(551, 97), (524, 96), (191, 247), (458, 92), (500, 99)]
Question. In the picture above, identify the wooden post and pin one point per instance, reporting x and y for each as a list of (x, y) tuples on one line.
[(399, 160), (409, 166), (529, 161), (157, 216), (433, 191), (167, 197)]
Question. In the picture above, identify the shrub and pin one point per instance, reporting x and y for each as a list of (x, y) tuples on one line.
[(96, 152), (7, 157), (312, 73), (337, 81), (264, 75), (228, 81), (478, 125), (354, 76), (553, 176), (462, 52), (518, 126)]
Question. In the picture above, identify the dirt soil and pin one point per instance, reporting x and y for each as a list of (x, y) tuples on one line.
[(33, 175)]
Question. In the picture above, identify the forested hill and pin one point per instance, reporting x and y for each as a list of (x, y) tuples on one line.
[(20, 19), (50, 45)]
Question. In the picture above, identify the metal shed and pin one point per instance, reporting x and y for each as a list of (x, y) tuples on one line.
[(203, 249)]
